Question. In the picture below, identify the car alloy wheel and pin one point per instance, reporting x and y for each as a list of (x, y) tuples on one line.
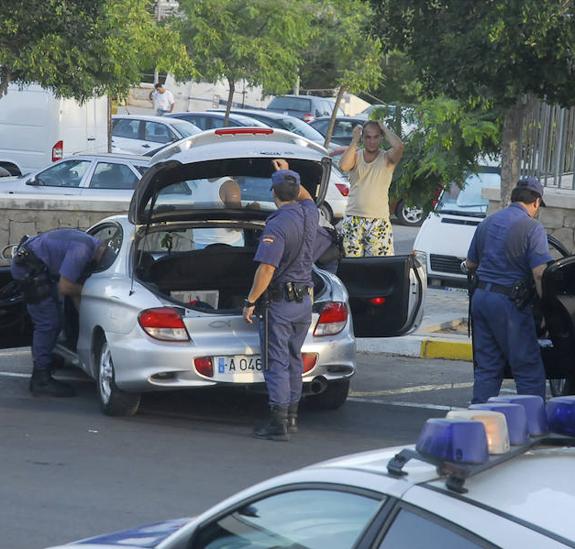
[(411, 216)]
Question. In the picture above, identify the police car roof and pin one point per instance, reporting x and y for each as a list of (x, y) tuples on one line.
[(537, 487)]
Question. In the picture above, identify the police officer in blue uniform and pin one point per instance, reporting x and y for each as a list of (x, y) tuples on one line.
[(285, 254), (53, 263), (508, 254)]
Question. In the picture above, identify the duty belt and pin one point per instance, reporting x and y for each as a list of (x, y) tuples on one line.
[(496, 288), (288, 290)]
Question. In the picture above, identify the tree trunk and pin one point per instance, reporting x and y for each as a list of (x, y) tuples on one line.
[(5, 77), (333, 117), (510, 150), (231, 91)]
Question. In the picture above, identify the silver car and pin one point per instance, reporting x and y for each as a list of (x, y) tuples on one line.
[(165, 313)]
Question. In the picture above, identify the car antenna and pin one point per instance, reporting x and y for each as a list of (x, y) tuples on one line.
[(140, 255)]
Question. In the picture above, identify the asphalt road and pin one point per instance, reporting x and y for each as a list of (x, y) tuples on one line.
[(70, 472)]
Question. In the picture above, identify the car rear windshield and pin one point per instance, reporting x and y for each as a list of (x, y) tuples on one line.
[(299, 127), (468, 200), (290, 104)]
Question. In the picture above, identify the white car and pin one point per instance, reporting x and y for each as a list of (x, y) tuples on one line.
[(463, 486), (139, 134), (444, 238)]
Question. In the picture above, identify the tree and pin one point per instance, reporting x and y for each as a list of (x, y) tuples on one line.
[(496, 50), (259, 41), (344, 55), (82, 48)]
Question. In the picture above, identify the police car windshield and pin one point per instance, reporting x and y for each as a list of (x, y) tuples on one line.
[(469, 200)]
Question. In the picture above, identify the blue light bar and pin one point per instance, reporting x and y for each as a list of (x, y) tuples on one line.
[(460, 441), (516, 417), (534, 408), (561, 415)]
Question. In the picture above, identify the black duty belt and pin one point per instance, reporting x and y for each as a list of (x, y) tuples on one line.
[(496, 288), (289, 291)]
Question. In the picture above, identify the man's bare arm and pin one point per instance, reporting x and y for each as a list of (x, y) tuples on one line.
[(349, 157), (262, 280), (396, 152), (230, 193), (70, 289), (538, 277)]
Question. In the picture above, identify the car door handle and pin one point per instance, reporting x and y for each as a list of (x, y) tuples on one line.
[(91, 139)]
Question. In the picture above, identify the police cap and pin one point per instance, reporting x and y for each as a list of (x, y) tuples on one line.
[(286, 179), (533, 184)]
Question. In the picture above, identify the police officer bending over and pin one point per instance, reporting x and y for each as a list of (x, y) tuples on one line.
[(508, 253), (52, 263), (285, 254)]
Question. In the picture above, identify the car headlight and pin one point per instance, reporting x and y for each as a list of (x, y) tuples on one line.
[(421, 258)]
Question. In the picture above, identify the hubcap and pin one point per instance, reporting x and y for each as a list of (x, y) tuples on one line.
[(413, 215), (106, 374)]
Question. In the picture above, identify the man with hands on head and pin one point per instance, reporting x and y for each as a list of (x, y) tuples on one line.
[(285, 254), (366, 226)]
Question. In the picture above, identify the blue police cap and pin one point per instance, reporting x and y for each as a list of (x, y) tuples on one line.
[(286, 179), (533, 184)]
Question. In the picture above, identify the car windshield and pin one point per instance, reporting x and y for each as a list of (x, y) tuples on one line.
[(468, 201), (186, 129), (299, 127)]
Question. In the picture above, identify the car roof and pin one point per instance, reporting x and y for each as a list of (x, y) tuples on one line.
[(537, 487), (147, 117), (350, 118), (111, 156)]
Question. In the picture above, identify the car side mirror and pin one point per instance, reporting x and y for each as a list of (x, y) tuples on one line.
[(33, 181)]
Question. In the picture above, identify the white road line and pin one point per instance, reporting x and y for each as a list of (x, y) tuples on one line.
[(415, 389)]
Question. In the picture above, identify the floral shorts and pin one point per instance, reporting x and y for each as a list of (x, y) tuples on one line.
[(364, 236)]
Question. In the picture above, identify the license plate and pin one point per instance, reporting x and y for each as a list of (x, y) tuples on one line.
[(238, 367)]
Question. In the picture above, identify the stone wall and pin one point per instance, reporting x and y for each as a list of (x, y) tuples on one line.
[(558, 217), (33, 214)]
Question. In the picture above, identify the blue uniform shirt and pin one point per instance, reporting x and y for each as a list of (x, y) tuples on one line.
[(281, 240), (66, 252), (508, 245)]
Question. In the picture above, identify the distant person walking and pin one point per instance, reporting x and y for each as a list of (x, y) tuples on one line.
[(366, 225), (163, 99)]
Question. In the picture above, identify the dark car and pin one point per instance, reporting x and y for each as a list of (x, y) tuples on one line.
[(213, 120), (305, 107), (343, 129)]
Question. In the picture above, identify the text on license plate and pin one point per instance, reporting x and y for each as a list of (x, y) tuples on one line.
[(239, 364)]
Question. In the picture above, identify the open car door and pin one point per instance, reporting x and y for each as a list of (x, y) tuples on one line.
[(386, 294), (15, 324)]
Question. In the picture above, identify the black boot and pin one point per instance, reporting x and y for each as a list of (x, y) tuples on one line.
[(292, 418), (276, 426), (42, 383)]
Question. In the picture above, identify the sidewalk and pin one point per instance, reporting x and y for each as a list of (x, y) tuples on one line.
[(442, 333)]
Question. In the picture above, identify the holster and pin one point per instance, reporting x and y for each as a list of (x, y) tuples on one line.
[(37, 284), (523, 293)]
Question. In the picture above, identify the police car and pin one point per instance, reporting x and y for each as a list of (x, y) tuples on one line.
[(499, 474)]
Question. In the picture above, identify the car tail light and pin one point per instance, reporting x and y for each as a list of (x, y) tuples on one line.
[(308, 117), (244, 131), (58, 151), (377, 300), (163, 323), (204, 365), (332, 319), (309, 361), (343, 188)]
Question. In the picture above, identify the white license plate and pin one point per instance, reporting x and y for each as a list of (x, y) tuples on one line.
[(244, 367)]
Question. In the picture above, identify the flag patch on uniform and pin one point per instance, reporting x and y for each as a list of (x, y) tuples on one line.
[(268, 239)]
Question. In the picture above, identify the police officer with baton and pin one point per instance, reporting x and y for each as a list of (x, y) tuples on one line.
[(282, 286)]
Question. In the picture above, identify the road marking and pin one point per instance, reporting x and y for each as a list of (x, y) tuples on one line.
[(422, 405), (414, 389)]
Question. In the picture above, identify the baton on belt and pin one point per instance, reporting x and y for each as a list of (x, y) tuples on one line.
[(264, 317)]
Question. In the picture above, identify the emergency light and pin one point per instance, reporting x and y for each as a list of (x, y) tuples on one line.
[(561, 415), (454, 440), (515, 416), (534, 408), (495, 427)]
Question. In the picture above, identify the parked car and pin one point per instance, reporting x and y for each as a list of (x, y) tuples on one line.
[(446, 234), (305, 107), (448, 492), (89, 175), (138, 134), (166, 314), (342, 130), (209, 120)]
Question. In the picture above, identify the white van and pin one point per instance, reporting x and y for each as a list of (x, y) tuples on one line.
[(37, 128), (446, 234)]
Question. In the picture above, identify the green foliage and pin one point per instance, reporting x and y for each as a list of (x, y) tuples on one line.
[(343, 53), (260, 41), (81, 48), (444, 147)]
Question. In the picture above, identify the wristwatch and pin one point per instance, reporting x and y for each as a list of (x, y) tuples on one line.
[(248, 303)]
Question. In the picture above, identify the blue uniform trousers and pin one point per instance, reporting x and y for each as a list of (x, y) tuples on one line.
[(289, 323), (46, 318), (504, 334)]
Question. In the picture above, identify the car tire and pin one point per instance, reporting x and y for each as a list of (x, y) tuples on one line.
[(409, 216), (333, 397), (562, 387), (113, 401), (326, 212)]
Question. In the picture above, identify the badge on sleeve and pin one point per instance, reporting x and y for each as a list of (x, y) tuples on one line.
[(268, 239)]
